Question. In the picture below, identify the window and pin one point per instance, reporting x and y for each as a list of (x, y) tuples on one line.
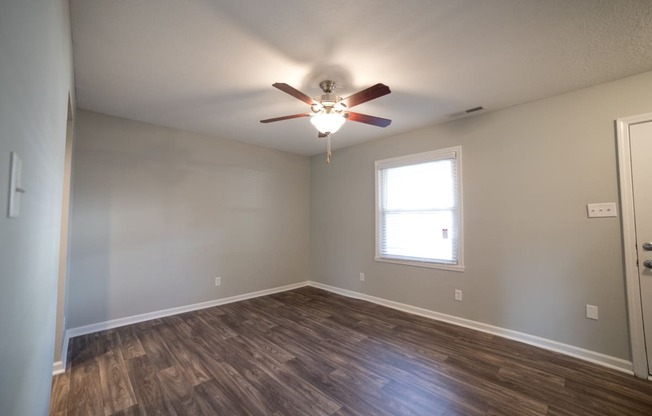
[(419, 209)]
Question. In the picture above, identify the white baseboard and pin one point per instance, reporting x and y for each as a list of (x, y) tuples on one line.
[(115, 323), (577, 352), (59, 367)]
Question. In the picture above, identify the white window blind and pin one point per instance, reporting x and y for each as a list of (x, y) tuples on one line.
[(419, 209)]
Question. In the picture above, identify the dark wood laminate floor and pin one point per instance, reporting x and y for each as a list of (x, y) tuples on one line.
[(309, 352)]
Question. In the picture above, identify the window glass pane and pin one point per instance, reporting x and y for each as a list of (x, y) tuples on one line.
[(423, 186), (427, 235), (419, 209)]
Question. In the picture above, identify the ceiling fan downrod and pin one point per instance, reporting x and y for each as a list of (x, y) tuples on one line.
[(327, 86)]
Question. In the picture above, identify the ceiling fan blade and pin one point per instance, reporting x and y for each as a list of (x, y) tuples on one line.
[(363, 118), (270, 120), (365, 95), (294, 92)]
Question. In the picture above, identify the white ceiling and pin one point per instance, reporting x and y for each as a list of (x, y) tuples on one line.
[(207, 65)]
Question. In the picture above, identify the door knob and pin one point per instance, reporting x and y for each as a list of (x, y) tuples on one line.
[(648, 264), (647, 246)]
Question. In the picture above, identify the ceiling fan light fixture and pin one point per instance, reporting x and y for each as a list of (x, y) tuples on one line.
[(329, 111), (327, 123)]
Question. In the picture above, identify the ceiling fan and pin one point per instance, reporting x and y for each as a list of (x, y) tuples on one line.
[(329, 111)]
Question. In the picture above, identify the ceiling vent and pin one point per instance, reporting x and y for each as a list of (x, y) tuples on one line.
[(468, 112)]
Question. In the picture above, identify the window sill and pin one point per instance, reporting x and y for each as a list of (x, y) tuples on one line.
[(428, 265)]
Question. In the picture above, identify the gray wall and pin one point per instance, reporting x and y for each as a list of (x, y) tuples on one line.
[(533, 258), (35, 78), (159, 213)]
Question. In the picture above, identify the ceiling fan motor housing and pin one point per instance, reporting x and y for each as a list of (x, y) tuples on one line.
[(328, 102)]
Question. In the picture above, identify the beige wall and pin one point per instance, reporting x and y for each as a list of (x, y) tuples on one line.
[(533, 258), (159, 213), (35, 79)]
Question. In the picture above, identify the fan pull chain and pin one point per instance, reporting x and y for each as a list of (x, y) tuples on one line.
[(328, 149)]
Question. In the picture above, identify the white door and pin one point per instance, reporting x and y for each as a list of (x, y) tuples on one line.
[(640, 141)]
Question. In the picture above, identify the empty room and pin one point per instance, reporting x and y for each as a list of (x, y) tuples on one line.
[(293, 207)]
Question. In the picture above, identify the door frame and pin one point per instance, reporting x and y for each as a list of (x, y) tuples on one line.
[(61, 340), (634, 303)]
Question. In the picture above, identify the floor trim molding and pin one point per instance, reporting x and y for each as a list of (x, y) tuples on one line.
[(573, 351), (59, 367), (115, 323)]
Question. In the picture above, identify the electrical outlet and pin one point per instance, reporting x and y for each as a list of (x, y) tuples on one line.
[(458, 295), (218, 281), (361, 277), (592, 312)]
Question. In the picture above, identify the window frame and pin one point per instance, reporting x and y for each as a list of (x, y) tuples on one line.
[(414, 159)]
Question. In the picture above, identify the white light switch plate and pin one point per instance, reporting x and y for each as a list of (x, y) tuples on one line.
[(605, 209)]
